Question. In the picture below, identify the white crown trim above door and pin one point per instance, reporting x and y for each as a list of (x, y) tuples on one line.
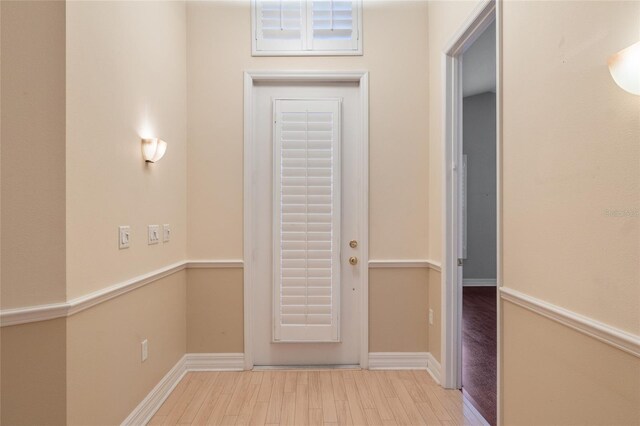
[(250, 213)]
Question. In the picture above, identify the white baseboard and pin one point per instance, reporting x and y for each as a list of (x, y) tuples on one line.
[(479, 282), (152, 402), (405, 361), (433, 367), (398, 360), (189, 362), (215, 362)]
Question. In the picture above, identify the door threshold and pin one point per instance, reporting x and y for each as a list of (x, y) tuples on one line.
[(307, 367)]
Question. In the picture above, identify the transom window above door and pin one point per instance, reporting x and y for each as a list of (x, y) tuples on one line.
[(306, 27)]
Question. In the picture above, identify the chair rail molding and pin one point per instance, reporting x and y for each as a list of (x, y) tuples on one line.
[(615, 337), (27, 314), (404, 263)]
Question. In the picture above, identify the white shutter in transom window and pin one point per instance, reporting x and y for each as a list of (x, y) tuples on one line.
[(306, 229), (333, 24), (281, 25)]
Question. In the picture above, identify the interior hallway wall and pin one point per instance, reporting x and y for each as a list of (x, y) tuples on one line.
[(33, 153), (570, 207), (32, 80), (126, 79), (570, 163), (219, 51), (445, 17)]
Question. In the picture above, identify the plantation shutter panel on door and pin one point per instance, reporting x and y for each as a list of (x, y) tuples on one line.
[(306, 220), (334, 25), (281, 24)]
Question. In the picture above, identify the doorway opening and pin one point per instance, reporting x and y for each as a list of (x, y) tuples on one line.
[(479, 297), (471, 270)]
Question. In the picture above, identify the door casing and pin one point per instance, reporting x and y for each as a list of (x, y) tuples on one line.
[(484, 14), (250, 79)]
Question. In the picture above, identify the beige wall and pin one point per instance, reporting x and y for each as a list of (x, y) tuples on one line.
[(398, 123), (555, 375), (106, 377), (33, 153), (126, 78), (569, 157), (215, 318), (435, 303), (445, 18), (33, 381), (32, 356), (398, 310)]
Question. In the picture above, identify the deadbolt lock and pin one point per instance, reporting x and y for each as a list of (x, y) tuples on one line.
[(353, 244), (353, 260)]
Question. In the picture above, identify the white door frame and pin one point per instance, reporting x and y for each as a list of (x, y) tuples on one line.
[(250, 78), (484, 14)]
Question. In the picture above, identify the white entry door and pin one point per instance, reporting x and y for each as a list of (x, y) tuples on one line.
[(306, 291)]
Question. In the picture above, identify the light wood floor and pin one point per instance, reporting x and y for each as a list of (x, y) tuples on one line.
[(324, 397)]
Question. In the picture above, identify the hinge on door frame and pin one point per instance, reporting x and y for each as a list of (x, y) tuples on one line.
[(460, 262)]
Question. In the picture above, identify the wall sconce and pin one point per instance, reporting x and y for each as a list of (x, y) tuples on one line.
[(153, 149), (624, 67)]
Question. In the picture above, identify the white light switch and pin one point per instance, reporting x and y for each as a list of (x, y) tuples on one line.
[(145, 350), (154, 234), (166, 230), (124, 236)]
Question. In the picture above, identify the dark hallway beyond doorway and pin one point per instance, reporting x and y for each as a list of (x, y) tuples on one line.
[(479, 349)]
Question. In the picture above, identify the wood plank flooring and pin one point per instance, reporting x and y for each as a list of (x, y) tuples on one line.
[(479, 338), (314, 397)]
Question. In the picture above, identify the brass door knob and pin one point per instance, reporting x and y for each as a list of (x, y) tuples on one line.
[(353, 260), (353, 244)]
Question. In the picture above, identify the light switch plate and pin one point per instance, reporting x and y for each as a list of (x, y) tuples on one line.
[(154, 234), (145, 350), (166, 233), (124, 237)]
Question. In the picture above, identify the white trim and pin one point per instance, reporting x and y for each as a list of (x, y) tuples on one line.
[(215, 362), (27, 314), (214, 264), (404, 263), (152, 402), (250, 77), (605, 333), (451, 333), (36, 313), (499, 227), (433, 367), (469, 406), (398, 360), (479, 282), (405, 361), (189, 362), (84, 302)]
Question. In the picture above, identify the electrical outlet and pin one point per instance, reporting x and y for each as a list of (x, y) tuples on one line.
[(431, 316), (124, 236), (166, 232), (154, 234), (145, 350)]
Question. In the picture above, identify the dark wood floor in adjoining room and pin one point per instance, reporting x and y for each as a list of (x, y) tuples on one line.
[(479, 349)]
